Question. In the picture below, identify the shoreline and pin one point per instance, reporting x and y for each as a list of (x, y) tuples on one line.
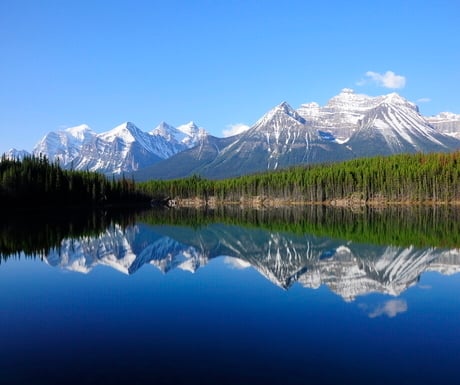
[(265, 202)]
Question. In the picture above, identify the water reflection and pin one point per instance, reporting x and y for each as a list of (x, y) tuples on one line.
[(286, 247)]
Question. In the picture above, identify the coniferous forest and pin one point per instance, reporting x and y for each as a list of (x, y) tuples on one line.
[(36, 182), (410, 178)]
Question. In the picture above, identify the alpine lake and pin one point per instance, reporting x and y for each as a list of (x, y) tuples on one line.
[(304, 295)]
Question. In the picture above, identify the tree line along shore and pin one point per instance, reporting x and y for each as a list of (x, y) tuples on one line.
[(398, 179), (407, 178)]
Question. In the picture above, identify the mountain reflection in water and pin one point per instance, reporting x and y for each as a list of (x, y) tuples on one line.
[(189, 239)]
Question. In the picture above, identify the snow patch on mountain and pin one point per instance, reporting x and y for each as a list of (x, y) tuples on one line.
[(349, 125), (193, 134), (64, 145), (14, 154), (446, 122)]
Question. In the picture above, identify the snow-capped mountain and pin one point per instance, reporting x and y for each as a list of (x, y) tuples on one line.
[(447, 123), (382, 125), (280, 138), (14, 154), (341, 115), (192, 134), (64, 146), (348, 269), (180, 138), (395, 125), (125, 148), (350, 125)]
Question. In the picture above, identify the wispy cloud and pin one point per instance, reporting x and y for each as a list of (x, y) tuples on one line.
[(234, 129), (423, 100), (390, 308), (236, 263), (387, 80)]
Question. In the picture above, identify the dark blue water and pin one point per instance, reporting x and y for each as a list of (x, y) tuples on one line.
[(292, 309)]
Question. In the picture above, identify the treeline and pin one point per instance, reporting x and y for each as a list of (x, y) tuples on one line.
[(406, 177), (35, 235), (36, 182), (398, 225)]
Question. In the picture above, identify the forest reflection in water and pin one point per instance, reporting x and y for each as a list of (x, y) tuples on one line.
[(106, 297), (353, 252)]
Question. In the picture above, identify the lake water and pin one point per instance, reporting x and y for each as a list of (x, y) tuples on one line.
[(314, 295)]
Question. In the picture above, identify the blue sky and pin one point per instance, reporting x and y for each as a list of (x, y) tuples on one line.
[(219, 63)]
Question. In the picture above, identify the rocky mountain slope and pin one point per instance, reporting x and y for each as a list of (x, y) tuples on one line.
[(350, 125)]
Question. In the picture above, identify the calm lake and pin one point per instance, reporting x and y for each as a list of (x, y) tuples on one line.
[(304, 296)]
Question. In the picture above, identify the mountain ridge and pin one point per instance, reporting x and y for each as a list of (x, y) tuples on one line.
[(349, 125)]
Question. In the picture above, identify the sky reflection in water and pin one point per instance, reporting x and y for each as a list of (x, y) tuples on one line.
[(255, 319)]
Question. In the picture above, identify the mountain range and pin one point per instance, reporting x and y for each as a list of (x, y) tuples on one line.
[(349, 269), (350, 125)]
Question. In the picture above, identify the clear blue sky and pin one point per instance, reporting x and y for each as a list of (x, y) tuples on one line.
[(219, 63)]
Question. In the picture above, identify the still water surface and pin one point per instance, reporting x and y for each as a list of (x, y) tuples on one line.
[(294, 297)]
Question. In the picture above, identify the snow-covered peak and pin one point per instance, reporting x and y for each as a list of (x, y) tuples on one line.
[(163, 129), (310, 111), (193, 133), (189, 128), (80, 132), (126, 131), (64, 145), (445, 116), (14, 154), (397, 100), (168, 132), (347, 91), (281, 111), (348, 100), (446, 122)]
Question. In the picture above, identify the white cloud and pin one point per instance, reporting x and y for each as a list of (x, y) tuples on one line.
[(390, 308), (423, 100), (236, 263), (234, 129), (388, 80)]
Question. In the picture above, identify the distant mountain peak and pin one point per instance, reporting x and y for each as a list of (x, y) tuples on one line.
[(281, 137), (395, 98), (347, 91), (14, 154), (164, 125), (189, 128), (283, 111), (170, 133), (127, 131), (79, 128)]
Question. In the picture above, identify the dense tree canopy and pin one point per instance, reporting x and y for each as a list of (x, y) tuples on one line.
[(35, 182), (406, 177)]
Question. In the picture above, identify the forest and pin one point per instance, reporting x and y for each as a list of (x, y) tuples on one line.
[(405, 178), (396, 225), (410, 178), (36, 182), (399, 225)]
